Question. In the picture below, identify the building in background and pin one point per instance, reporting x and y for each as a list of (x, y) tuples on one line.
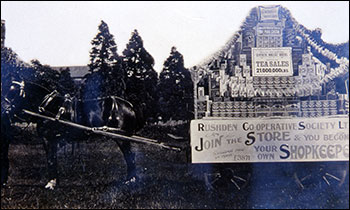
[(77, 72)]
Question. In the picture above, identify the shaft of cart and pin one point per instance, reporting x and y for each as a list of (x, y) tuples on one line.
[(106, 131)]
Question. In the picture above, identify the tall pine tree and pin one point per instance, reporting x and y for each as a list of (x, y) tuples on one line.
[(104, 50), (175, 89), (106, 74), (141, 81)]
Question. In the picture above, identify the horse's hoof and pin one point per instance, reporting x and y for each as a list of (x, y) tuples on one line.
[(51, 184), (132, 181), (3, 185)]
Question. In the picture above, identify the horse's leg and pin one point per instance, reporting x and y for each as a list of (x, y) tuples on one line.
[(51, 155), (50, 143), (6, 134), (129, 157), (73, 147), (4, 159)]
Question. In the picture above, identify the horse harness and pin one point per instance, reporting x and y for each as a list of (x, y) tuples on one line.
[(6, 104), (6, 107), (21, 86), (67, 105), (47, 99)]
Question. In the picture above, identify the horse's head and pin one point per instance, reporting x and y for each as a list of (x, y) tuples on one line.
[(29, 95), (16, 90), (16, 94)]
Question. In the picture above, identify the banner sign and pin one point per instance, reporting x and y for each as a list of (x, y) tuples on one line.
[(268, 13), (272, 61), (270, 140)]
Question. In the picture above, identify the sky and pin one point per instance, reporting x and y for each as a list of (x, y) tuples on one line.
[(60, 33)]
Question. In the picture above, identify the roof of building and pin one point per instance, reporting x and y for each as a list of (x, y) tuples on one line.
[(75, 71)]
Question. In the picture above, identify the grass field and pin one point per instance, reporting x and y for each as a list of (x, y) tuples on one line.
[(93, 177)]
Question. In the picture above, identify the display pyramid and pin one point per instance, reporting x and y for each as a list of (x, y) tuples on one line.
[(273, 66)]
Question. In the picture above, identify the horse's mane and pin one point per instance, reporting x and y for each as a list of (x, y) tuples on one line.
[(38, 85)]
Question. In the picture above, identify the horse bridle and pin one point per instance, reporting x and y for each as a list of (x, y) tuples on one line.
[(8, 108), (21, 94), (21, 86), (47, 99)]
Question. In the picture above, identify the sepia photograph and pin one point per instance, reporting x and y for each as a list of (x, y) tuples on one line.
[(175, 105)]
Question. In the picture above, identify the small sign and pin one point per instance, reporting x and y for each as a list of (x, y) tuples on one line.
[(238, 71), (268, 13), (270, 140), (242, 60), (272, 61), (246, 71), (306, 58)]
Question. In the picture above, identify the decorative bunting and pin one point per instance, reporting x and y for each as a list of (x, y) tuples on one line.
[(343, 62)]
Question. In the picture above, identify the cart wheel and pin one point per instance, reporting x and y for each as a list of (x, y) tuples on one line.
[(227, 180), (320, 176)]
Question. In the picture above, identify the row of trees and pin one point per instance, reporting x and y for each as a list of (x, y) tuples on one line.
[(131, 76)]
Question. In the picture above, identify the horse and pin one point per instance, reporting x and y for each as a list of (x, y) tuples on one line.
[(6, 133), (111, 111)]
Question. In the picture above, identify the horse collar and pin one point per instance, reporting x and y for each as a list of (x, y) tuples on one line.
[(47, 99)]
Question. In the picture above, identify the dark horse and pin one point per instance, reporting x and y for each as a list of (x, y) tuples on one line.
[(110, 111), (6, 133)]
